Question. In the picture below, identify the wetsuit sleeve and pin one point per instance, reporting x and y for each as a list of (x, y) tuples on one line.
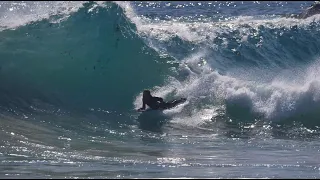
[(143, 104)]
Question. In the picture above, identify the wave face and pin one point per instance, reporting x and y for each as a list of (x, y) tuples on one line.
[(88, 57)]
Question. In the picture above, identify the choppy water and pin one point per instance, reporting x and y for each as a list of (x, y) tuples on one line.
[(71, 76)]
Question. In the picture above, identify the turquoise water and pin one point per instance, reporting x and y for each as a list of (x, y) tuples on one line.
[(71, 76)]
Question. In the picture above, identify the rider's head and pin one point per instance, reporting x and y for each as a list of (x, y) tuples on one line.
[(146, 94)]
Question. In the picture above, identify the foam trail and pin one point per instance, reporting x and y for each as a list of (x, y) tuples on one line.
[(276, 100)]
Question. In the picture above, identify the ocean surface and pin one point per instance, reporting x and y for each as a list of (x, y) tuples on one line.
[(72, 74)]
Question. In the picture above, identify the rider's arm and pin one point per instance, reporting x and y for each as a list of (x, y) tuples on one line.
[(159, 99), (143, 106)]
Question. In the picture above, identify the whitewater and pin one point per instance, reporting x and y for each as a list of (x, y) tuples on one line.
[(72, 76)]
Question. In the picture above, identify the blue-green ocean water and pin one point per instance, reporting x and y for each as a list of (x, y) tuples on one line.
[(71, 76)]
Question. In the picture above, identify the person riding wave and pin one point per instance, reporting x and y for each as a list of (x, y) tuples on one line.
[(157, 102)]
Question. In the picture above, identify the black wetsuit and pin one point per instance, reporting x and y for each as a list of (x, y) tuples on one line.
[(158, 103), (153, 103)]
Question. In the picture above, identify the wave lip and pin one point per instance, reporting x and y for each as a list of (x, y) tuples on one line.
[(15, 14)]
